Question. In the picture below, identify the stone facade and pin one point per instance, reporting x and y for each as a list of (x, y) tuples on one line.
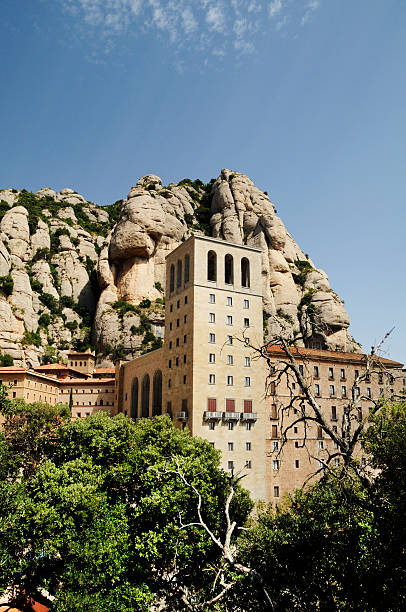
[(331, 377), (206, 377)]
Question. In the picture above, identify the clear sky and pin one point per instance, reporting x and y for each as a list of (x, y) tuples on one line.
[(307, 97)]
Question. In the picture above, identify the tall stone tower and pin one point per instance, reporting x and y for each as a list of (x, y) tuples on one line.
[(214, 383)]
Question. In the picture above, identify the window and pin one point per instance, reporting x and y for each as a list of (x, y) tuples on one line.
[(230, 405), (274, 431), (145, 396), (316, 371), (320, 443), (246, 322), (177, 341), (212, 379), (157, 393), (187, 268), (212, 338), (245, 272), (211, 425), (177, 322), (212, 358), (333, 413), (184, 379), (248, 426), (229, 301), (185, 318), (230, 360), (301, 370), (169, 383), (319, 432), (317, 390), (342, 374), (356, 373), (184, 339), (172, 278), (185, 299), (211, 266), (170, 326), (248, 406), (331, 373), (248, 465), (332, 391), (295, 430), (274, 411), (229, 340), (334, 428), (228, 270), (275, 464), (247, 340), (296, 463), (380, 379), (369, 391), (230, 465), (229, 320), (212, 317), (246, 303), (231, 446), (248, 446), (336, 461), (230, 426), (362, 444), (184, 358), (134, 399), (230, 380), (296, 444), (211, 404), (357, 391), (170, 344), (247, 362), (276, 491), (272, 388), (275, 445), (212, 298), (344, 391), (247, 381)]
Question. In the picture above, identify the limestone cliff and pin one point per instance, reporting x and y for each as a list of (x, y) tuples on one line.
[(52, 244)]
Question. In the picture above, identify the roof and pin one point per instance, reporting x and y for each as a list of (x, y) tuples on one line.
[(104, 371), (211, 239), (52, 367), (71, 382), (84, 354), (30, 371), (325, 355)]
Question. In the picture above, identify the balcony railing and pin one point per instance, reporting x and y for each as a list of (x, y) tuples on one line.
[(249, 416), (182, 416), (212, 415), (231, 416)]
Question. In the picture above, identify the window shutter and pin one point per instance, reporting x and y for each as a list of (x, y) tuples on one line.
[(184, 405), (211, 404), (247, 405), (274, 431), (230, 405)]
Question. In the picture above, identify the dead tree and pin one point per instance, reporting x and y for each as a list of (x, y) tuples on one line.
[(287, 362)]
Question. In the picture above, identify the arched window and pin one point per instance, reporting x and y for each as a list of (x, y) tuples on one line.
[(211, 266), (145, 396), (179, 274), (228, 270), (172, 278), (134, 399), (187, 268), (245, 272), (157, 393)]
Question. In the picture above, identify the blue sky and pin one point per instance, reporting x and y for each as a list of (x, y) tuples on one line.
[(307, 97)]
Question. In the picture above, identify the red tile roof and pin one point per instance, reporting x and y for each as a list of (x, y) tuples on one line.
[(323, 355)]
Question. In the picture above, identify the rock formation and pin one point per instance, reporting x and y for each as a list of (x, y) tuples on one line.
[(68, 265)]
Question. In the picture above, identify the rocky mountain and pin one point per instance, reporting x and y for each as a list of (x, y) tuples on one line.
[(75, 274)]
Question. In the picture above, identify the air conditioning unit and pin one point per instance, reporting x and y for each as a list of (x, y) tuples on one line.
[(181, 416)]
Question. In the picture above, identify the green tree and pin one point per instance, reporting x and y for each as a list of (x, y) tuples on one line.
[(101, 527)]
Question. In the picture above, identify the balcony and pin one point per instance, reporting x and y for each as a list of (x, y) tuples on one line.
[(212, 415), (249, 416), (182, 416), (231, 416)]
